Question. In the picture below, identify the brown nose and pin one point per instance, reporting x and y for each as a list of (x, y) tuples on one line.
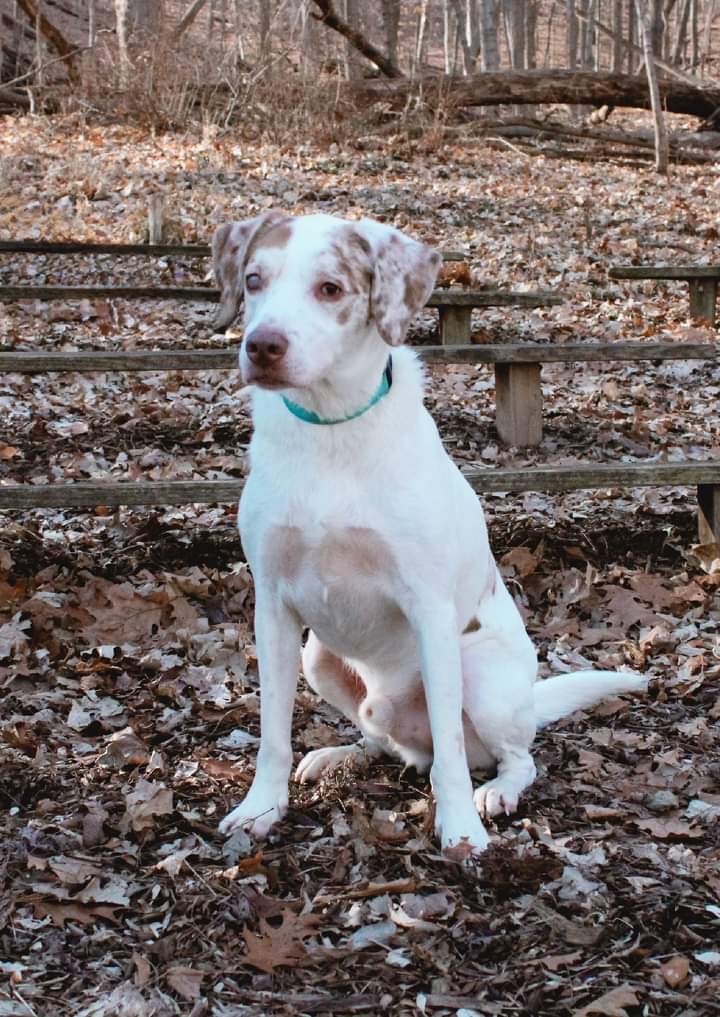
[(265, 346)]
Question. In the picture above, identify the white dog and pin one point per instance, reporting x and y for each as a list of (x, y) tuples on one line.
[(357, 525)]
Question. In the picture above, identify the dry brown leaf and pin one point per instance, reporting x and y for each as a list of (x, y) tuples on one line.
[(143, 969), (611, 1004), (145, 803), (522, 560), (669, 829), (557, 961), (125, 749), (69, 912), (676, 971), (278, 946), (187, 982), (224, 769)]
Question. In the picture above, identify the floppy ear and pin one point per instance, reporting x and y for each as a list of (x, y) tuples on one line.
[(404, 273), (230, 244)]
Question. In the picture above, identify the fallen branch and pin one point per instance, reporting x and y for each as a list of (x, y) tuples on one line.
[(330, 17), (596, 88), (53, 35)]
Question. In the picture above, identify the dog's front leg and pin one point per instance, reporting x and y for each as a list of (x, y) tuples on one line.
[(456, 819), (278, 634)]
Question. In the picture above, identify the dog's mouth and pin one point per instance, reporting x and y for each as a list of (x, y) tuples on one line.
[(269, 383), (265, 379)]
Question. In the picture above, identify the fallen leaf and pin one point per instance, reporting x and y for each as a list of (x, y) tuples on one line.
[(612, 1004), (186, 982), (143, 805), (675, 972), (278, 946)]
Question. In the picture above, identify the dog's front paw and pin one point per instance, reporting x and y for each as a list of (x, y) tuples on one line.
[(461, 833), (256, 814)]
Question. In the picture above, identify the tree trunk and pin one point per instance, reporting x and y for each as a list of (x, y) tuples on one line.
[(515, 27), (121, 32), (421, 35), (567, 87), (617, 39), (390, 10), (461, 18), (646, 24), (531, 35), (489, 16), (572, 35), (353, 62)]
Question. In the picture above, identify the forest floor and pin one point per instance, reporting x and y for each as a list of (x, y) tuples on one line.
[(128, 707)]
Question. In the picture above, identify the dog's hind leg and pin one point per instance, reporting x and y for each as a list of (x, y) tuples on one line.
[(331, 678), (498, 702)]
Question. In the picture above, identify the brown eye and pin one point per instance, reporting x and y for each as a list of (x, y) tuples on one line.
[(330, 290), (253, 282)]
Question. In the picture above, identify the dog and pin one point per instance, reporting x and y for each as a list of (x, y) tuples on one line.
[(357, 525)]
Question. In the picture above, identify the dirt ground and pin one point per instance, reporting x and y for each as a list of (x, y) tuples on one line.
[(128, 677)]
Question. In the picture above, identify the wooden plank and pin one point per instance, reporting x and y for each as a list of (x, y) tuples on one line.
[(109, 292), (557, 353), (153, 250), (25, 362), (553, 479), (455, 325), (440, 298), (493, 298), (703, 299), (665, 272), (518, 404), (80, 247), (709, 513)]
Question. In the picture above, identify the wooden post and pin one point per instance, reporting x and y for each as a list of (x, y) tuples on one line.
[(156, 210), (518, 404), (709, 513), (455, 325), (703, 296)]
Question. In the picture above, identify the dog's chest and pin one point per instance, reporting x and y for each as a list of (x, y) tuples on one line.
[(341, 580)]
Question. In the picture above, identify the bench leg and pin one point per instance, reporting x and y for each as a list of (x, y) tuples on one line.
[(518, 404), (709, 513), (703, 297), (455, 325)]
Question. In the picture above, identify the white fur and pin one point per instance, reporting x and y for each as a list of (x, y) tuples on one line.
[(366, 532)]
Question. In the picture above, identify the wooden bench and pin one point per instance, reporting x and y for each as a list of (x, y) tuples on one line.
[(704, 475), (702, 282), (553, 479), (454, 305)]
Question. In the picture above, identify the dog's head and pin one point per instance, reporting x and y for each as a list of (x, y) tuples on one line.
[(315, 289)]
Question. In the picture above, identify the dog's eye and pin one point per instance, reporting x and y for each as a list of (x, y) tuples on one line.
[(253, 282), (330, 290)]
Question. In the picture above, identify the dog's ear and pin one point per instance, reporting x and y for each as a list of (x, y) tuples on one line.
[(404, 273), (230, 246)]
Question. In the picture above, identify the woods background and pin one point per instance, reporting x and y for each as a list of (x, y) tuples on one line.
[(175, 58)]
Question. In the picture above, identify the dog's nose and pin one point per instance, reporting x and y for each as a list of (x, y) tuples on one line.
[(265, 346)]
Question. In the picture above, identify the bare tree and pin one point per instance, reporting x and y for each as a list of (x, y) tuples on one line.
[(390, 11), (489, 20), (353, 61), (645, 14), (572, 35)]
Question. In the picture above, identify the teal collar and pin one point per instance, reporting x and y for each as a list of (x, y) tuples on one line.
[(313, 418)]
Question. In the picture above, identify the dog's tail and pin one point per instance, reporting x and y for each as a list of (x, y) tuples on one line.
[(563, 694)]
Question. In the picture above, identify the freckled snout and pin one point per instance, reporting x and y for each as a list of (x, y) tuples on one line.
[(265, 347)]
